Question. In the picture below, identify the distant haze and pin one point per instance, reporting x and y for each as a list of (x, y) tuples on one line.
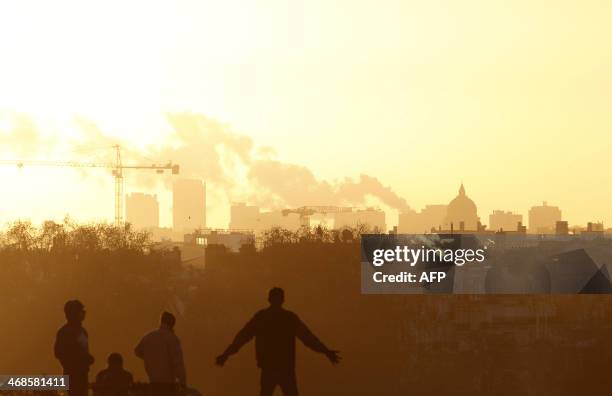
[(385, 103)]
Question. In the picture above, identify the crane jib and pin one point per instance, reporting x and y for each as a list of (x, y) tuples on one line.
[(117, 172)]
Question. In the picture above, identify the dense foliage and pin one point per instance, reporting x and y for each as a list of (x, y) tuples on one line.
[(392, 344)]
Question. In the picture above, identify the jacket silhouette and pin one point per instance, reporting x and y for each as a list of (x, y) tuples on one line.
[(72, 348), (275, 330), (163, 357)]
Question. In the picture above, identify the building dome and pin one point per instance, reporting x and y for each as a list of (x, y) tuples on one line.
[(462, 210)]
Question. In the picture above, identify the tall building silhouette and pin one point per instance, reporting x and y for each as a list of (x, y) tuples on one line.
[(430, 217), (371, 217), (188, 205), (142, 210), (276, 218), (543, 219), (249, 218), (561, 228), (507, 221), (243, 216)]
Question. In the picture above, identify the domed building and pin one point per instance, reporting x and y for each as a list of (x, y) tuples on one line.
[(461, 213)]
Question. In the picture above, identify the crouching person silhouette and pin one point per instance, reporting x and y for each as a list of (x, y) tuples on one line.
[(275, 330), (113, 380)]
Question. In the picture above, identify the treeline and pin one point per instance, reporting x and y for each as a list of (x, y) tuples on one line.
[(319, 234), (68, 236), (392, 344), (113, 270)]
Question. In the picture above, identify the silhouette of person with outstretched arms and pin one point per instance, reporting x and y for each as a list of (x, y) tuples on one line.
[(113, 380), (72, 348), (275, 330), (163, 358)]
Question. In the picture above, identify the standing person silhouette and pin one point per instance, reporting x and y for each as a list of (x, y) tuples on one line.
[(72, 348), (163, 358), (275, 330)]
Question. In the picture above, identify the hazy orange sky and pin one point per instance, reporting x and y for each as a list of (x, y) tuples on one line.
[(511, 97)]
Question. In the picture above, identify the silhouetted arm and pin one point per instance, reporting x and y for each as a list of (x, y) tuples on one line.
[(100, 385), (89, 358), (177, 362), (70, 353), (311, 341), (139, 350), (60, 348), (243, 336), (308, 338)]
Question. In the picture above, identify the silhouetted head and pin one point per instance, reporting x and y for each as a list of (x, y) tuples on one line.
[(168, 320), (74, 311), (115, 360), (276, 296)]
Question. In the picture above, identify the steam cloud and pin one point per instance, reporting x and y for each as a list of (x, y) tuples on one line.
[(275, 184), (297, 186), (227, 161), (22, 135)]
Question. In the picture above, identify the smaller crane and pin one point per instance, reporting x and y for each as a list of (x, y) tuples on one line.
[(306, 211), (117, 172)]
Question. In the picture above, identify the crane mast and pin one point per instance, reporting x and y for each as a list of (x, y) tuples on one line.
[(117, 168), (118, 173)]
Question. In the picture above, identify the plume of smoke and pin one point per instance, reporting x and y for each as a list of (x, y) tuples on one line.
[(367, 185), (22, 136), (227, 161), (207, 149), (203, 148), (296, 186)]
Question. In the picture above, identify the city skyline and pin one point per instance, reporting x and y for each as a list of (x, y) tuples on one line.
[(511, 98), (417, 191), (282, 184), (142, 211)]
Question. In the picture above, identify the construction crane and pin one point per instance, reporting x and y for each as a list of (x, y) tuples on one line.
[(306, 211), (117, 172)]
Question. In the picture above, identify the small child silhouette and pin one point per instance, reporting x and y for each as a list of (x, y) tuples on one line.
[(113, 380)]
